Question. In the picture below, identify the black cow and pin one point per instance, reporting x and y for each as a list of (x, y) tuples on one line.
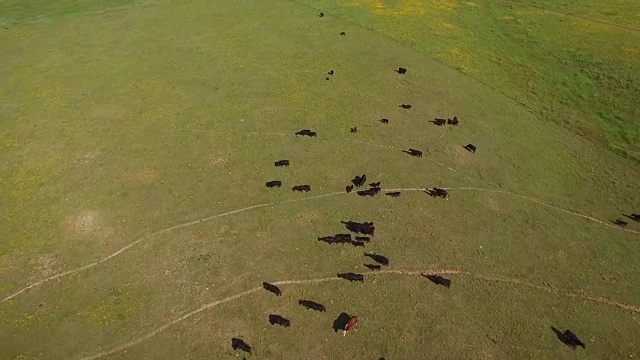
[(307, 132), (301, 188), (384, 121), (573, 340), (343, 33), (393, 194), (413, 152), (363, 238), (354, 129), (348, 188), (369, 192), (279, 320), (405, 106), (439, 280), (275, 183), (280, 163), (634, 217), (359, 180), (378, 258), (330, 72), (338, 239), (272, 288), (568, 338), (357, 243), (401, 70), (239, 344), (312, 305), (327, 78), (453, 121), (366, 228), (439, 122), (620, 223), (436, 192), (329, 239), (373, 267), (352, 277), (375, 184), (470, 148), (321, 15)]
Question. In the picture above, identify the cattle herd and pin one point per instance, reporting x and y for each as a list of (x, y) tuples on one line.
[(363, 232)]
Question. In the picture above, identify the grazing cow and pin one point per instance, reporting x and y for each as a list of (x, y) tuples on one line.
[(620, 222), (375, 184), (345, 237), (307, 132), (439, 122), (405, 106), (634, 217), (352, 277), (301, 188), (275, 183), (357, 243), (378, 258), (239, 344), (573, 340), (568, 338), (321, 15), (279, 320), (343, 33), (436, 192), (439, 280), (453, 121), (365, 228), (312, 305), (363, 238), (348, 188), (330, 72), (330, 240), (280, 163), (374, 267), (369, 192), (401, 70), (413, 152), (350, 324), (470, 148), (272, 288), (384, 121), (359, 180), (354, 129), (393, 194), (327, 78)]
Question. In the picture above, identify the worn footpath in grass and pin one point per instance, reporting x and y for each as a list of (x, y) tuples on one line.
[(123, 124)]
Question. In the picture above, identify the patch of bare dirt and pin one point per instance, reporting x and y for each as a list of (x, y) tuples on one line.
[(85, 223), (307, 217), (87, 158), (45, 266), (458, 154), (216, 162)]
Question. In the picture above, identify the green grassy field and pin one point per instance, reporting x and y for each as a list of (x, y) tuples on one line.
[(136, 138)]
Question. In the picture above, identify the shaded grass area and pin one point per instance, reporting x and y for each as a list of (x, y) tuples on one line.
[(125, 124), (16, 12), (578, 73)]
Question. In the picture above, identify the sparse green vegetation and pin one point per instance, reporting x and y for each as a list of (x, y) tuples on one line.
[(152, 126)]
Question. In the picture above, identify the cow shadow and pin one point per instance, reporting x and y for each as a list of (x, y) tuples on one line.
[(340, 322), (560, 336)]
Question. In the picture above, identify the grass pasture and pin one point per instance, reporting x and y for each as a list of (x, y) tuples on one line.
[(136, 138)]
